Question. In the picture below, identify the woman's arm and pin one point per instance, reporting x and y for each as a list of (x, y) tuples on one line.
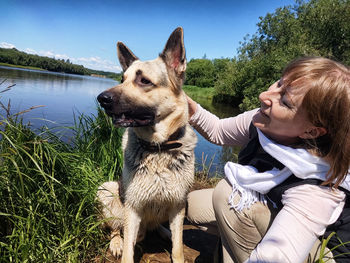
[(229, 131), (307, 211)]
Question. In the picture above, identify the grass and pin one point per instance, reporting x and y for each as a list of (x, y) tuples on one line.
[(324, 254), (199, 93), (48, 186)]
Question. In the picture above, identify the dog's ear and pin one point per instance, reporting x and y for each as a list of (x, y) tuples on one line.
[(174, 54), (125, 56)]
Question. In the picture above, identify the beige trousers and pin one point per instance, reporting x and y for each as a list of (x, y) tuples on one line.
[(239, 232)]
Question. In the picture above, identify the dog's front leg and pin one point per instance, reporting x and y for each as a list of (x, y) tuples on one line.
[(176, 220), (131, 228)]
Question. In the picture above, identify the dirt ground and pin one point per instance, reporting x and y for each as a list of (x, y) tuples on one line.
[(198, 247)]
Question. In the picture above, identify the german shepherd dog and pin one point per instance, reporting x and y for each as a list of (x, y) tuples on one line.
[(158, 148)]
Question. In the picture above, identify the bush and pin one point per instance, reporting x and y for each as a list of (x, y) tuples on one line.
[(200, 73)]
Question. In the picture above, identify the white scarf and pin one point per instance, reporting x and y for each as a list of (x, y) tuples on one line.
[(251, 185)]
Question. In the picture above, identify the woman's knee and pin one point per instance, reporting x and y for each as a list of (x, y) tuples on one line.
[(221, 195), (199, 207)]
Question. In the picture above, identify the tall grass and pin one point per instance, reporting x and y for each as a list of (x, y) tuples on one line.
[(48, 186)]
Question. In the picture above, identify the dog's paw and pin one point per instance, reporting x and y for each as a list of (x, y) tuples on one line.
[(116, 246)]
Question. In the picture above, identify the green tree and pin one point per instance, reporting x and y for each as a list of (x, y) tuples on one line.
[(317, 27), (200, 72)]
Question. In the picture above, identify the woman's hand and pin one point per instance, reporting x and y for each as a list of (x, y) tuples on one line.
[(192, 106)]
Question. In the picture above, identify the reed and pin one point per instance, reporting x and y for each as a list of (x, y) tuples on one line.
[(48, 186), (326, 254)]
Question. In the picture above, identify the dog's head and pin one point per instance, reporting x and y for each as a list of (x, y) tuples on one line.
[(150, 93)]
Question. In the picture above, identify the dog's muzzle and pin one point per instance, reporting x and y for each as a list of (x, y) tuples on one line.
[(125, 115)]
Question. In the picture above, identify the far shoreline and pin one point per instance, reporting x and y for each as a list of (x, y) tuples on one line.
[(45, 70), (23, 67)]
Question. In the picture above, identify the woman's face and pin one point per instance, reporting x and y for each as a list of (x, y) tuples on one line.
[(281, 116)]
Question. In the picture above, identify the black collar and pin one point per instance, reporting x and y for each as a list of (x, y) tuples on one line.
[(172, 142)]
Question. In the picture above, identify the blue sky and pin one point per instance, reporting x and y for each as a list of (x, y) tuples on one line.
[(86, 32)]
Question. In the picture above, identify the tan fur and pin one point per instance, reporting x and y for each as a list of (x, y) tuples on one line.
[(154, 184)]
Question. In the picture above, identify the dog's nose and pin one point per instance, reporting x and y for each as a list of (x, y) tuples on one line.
[(106, 100)]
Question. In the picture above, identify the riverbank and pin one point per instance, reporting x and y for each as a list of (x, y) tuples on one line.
[(19, 66)]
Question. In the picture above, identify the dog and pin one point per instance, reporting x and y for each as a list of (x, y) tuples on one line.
[(158, 147)]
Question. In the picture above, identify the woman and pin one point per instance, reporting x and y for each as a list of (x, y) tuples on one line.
[(291, 185)]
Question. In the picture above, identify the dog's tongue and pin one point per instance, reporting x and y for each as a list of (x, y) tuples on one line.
[(142, 122), (126, 122), (121, 121)]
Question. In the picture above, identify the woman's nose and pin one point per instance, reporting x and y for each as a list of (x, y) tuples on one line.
[(265, 98)]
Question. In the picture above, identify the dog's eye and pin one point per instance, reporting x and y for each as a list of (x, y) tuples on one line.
[(145, 81), (142, 81)]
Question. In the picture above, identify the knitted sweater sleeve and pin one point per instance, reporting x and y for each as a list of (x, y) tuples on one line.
[(230, 131)]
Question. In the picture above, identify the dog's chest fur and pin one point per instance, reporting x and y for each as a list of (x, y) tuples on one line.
[(153, 182)]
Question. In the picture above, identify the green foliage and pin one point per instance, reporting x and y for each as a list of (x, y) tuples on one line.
[(314, 28), (16, 57), (204, 72), (48, 187), (328, 27), (200, 73)]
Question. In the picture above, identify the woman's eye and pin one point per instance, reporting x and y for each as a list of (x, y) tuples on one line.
[(145, 81), (286, 104), (279, 84)]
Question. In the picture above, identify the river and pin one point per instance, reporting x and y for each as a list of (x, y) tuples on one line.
[(65, 95)]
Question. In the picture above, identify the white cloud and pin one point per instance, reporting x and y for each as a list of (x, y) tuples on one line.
[(6, 45), (93, 62), (60, 56), (97, 63), (30, 51)]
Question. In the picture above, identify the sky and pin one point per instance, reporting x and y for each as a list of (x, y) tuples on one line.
[(86, 32)]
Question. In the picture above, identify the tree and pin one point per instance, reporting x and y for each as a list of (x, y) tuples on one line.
[(314, 28), (200, 72)]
